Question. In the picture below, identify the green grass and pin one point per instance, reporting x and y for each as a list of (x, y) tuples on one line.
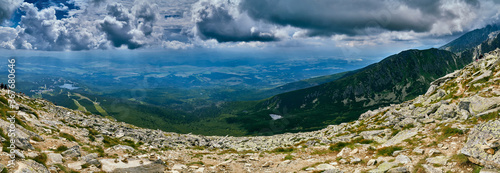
[(61, 149), (288, 157), (490, 116), (41, 158), (282, 150), (67, 136), (447, 132), (338, 146), (387, 151)]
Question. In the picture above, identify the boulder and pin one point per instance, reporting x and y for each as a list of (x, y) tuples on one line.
[(72, 152), (400, 137), (155, 167), (23, 144), (477, 139), (384, 167), (324, 167), (30, 166), (54, 158), (403, 159), (431, 169), (480, 104), (441, 160), (398, 170)]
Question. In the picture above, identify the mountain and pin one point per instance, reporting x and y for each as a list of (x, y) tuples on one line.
[(395, 79), (472, 39), (455, 126)]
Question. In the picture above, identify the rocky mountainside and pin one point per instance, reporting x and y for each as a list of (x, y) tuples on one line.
[(454, 127), (393, 80)]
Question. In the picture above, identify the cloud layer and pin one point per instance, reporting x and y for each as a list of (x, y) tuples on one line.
[(41, 29), (228, 20), (130, 24)]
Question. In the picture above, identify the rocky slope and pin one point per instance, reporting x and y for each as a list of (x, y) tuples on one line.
[(454, 127)]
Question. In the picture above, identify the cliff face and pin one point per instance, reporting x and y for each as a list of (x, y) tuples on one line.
[(453, 127)]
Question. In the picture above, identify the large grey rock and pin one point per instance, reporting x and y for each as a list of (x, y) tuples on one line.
[(72, 152), (54, 158), (30, 166), (399, 170), (403, 159), (334, 170), (431, 169), (382, 168), (324, 167), (156, 167), (400, 137), (478, 137), (480, 104), (23, 143), (441, 160)]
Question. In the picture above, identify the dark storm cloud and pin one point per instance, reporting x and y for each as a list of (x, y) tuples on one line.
[(328, 17), (227, 20), (123, 27), (7, 7), (215, 22)]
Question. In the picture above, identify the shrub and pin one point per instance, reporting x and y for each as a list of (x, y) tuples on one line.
[(282, 150), (67, 136), (339, 146), (61, 149), (387, 151)]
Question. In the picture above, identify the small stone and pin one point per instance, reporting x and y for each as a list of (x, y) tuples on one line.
[(179, 167), (395, 153), (371, 162), (355, 160), (440, 145), (353, 152), (418, 151), (324, 167), (403, 159), (343, 161), (441, 160), (434, 151), (398, 170)]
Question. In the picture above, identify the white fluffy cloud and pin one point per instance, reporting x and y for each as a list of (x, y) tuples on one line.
[(40, 29)]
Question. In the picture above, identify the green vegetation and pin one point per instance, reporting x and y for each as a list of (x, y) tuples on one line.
[(288, 157), (387, 151), (447, 132), (67, 136), (490, 116), (338, 146), (60, 149), (41, 158), (282, 150)]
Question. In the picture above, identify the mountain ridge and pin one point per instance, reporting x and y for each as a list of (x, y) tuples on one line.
[(454, 127)]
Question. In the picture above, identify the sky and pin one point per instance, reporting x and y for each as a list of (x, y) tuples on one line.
[(354, 29)]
